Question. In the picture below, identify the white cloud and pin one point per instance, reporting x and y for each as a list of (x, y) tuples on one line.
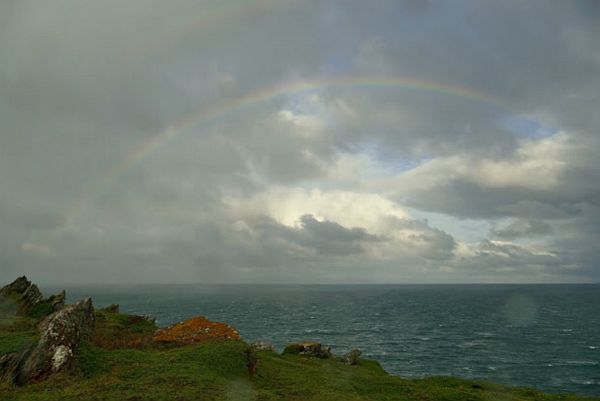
[(304, 125), (38, 250), (536, 165), (350, 209)]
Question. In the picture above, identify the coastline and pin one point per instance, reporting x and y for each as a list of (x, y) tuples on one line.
[(122, 360)]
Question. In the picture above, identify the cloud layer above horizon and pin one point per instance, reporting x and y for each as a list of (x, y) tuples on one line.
[(263, 141)]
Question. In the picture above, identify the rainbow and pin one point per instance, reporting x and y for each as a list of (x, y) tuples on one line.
[(219, 110)]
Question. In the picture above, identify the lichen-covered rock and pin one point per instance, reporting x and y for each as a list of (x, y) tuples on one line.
[(19, 297), (196, 330), (310, 349), (262, 346), (61, 333), (352, 357)]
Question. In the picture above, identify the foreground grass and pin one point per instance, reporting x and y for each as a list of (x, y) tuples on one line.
[(16, 333), (111, 370)]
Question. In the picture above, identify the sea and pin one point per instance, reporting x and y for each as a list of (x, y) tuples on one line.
[(541, 336)]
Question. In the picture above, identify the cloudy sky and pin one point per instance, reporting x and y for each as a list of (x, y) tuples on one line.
[(259, 141)]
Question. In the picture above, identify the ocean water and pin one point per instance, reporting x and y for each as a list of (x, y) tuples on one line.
[(541, 336)]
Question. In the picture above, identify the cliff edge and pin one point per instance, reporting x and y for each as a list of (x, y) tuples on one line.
[(81, 353)]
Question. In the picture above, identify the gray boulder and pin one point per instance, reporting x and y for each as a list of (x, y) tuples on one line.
[(352, 357), (60, 334), (310, 349), (262, 346)]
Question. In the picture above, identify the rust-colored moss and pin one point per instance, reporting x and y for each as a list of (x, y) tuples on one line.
[(196, 330)]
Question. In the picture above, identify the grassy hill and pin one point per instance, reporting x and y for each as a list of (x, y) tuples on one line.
[(121, 363)]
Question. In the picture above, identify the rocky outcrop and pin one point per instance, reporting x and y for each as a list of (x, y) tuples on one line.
[(262, 346), (196, 330), (20, 297), (352, 357), (310, 349), (61, 333), (57, 302), (23, 298)]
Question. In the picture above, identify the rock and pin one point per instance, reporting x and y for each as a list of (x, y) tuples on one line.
[(262, 346), (310, 349), (57, 301), (23, 298), (61, 333), (352, 357), (19, 297), (196, 330)]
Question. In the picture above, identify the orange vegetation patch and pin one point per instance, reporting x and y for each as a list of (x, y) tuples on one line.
[(196, 330)]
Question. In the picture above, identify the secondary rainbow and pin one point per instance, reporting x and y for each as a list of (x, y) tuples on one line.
[(222, 109)]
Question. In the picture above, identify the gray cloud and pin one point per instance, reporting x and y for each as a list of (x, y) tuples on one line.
[(328, 237), (520, 228), (500, 127), (30, 219)]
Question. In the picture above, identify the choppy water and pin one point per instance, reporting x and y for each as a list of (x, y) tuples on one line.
[(542, 336)]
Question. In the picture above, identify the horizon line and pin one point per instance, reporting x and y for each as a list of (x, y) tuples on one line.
[(127, 284)]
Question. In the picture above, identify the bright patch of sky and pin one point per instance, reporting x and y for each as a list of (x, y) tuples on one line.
[(527, 127), (466, 230), (391, 161)]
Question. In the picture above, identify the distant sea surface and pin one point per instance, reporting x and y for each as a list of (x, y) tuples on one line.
[(541, 336)]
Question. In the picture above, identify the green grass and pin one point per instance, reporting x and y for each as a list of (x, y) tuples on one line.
[(9, 306), (16, 333), (208, 372), (217, 371), (118, 330), (291, 377), (40, 310)]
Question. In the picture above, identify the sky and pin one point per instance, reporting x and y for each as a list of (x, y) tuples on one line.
[(263, 141)]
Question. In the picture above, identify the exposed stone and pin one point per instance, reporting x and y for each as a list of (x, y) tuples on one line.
[(61, 356), (61, 333), (352, 357), (311, 349), (262, 346), (19, 297), (196, 330), (57, 301)]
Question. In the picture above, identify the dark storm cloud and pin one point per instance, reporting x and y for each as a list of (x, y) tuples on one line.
[(326, 237), (88, 193)]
